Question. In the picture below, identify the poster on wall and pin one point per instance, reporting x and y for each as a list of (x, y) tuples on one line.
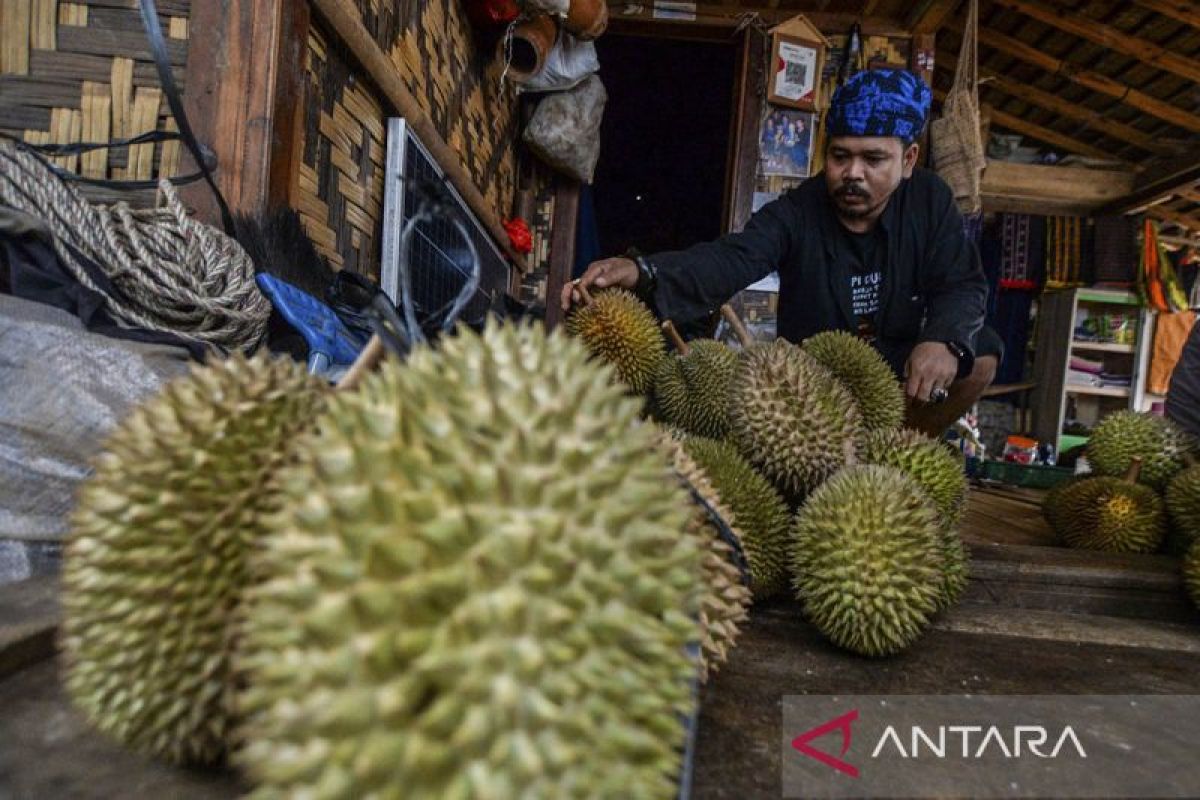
[(796, 81), (786, 144)]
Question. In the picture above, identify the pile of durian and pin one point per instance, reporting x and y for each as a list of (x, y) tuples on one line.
[(1142, 496), (497, 568), (834, 503)]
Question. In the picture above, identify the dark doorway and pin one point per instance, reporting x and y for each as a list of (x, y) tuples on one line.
[(664, 142)]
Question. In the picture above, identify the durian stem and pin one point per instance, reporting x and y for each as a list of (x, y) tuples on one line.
[(669, 328), (739, 328), (850, 452), (1135, 469), (366, 361)]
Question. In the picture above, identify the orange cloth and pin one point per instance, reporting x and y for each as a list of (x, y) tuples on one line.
[(1170, 332)]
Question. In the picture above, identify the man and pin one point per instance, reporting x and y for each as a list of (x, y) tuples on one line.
[(1183, 394), (872, 245)]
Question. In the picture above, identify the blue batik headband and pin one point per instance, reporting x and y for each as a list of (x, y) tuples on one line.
[(880, 102)]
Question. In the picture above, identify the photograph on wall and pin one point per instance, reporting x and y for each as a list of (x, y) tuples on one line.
[(796, 81), (786, 144)]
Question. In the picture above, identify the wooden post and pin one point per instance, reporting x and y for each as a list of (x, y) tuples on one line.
[(749, 95), (244, 93), (562, 245), (923, 51)]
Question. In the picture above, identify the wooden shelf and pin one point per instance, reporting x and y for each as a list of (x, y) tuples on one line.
[(1099, 391), (1103, 347)]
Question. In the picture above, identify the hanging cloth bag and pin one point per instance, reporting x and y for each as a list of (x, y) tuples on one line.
[(958, 153)]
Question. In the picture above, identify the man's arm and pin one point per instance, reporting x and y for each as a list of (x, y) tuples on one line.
[(692, 283), (954, 284)]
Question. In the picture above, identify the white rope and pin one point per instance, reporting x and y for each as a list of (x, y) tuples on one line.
[(169, 272)]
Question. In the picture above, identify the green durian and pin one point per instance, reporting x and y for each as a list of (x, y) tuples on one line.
[(1052, 500), (156, 564), (956, 569), (725, 598), (620, 329), (868, 558), (1183, 504), (864, 372), (691, 390), (480, 587), (1111, 514), (938, 471), (1191, 572), (791, 418), (760, 513), (1125, 435)]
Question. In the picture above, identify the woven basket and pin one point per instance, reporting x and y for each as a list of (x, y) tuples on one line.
[(958, 153)]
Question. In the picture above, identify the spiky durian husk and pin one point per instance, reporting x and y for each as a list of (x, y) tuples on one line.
[(1052, 501), (865, 373), (956, 569), (928, 462), (760, 513), (479, 588), (1110, 514), (620, 329), (726, 598), (790, 417), (1124, 435), (156, 562), (692, 392), (1191, 572), (868, 559), (1183, 503)]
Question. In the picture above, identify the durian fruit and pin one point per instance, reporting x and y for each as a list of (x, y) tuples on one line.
[(1191, 572), (691, 390), (1052, 501), (866, 375), (156, 562), (1116, 515), (1183, 504), (479, 588), (938, 471), (620, 329), (790, 417), (725, 598), (956, 569), (1124, 435), (868, 559), (760, 513)]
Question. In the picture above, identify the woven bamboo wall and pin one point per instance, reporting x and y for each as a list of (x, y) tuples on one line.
[(344, 143), (82, 72), (456, 80)]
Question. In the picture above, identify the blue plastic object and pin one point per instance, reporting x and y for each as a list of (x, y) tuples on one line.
[(330, 342)]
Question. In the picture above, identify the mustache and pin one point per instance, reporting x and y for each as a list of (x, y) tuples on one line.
[(852, 190)]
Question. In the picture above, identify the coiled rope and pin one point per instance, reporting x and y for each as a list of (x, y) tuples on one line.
[(168, 272)]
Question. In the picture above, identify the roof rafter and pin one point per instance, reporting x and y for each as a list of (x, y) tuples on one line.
[(1073, 22), (1089, 79), (1052, 102), (1183, 10), (929, 15)]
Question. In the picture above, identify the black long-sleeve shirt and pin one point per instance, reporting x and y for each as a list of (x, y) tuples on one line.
[(933, 287)]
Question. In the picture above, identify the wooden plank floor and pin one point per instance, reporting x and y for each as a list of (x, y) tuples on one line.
[(1036, 619)]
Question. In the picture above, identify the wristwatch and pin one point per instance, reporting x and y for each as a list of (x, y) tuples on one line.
[(647, 280), (956, 350)]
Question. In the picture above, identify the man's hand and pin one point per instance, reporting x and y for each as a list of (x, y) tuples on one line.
[(930, 366), (603, 274)]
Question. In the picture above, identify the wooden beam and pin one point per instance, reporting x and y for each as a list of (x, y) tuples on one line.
[(732, 16), (1191, 195), (1185, 11), (1054, 188), (1144, 50), (1052, 102), (745, 122), (1015, 123), (1089, 79), (563, 226), (1167, 215), (343, 17), (245, 67), (1154, 186), (929, 15)]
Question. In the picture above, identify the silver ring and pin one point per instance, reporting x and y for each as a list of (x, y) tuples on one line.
[(938, 395)]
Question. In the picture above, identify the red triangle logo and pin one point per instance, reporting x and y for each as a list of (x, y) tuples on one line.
[(842, 723)]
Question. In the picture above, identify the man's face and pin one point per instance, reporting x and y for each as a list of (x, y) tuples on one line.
[(861, 172)]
